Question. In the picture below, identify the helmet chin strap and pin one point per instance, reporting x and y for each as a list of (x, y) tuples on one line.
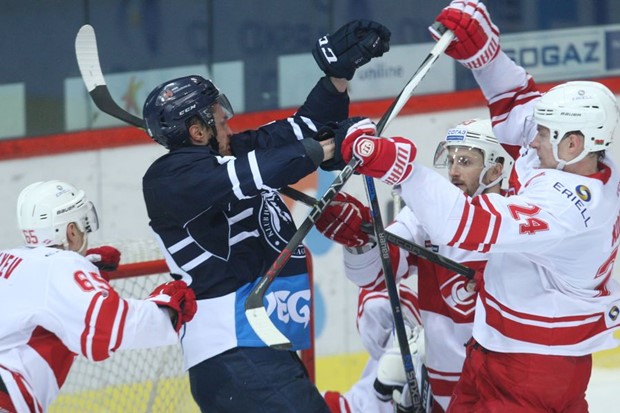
[(562, 163), (82, 249), (482, 187)]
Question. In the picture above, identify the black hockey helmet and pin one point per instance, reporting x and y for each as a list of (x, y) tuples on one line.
[(170, 105)]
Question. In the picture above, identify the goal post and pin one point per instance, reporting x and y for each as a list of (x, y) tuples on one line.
[(141, 380)]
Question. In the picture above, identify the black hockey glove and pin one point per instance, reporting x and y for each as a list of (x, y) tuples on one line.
[(351, 46), (339, 133)]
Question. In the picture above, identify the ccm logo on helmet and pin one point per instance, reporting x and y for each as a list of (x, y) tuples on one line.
[(187, 109), (365, 147)]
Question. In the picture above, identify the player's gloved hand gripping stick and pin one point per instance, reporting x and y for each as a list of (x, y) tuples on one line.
[(255, 310)]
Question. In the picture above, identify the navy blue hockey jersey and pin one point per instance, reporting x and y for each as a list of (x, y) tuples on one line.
[(221, 224)]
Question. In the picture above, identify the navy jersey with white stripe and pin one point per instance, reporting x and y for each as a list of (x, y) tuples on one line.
[(221, 223)]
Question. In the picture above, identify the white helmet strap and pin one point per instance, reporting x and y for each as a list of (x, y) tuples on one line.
[(561, 162), (482, 186)]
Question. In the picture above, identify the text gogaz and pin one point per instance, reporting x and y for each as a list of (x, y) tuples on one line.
[(556, 55)]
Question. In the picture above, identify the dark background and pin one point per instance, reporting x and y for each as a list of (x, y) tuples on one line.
[(37, 42)]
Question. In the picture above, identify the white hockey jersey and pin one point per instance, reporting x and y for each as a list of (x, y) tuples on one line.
[(55, 306), (445, 307), (548, 286)]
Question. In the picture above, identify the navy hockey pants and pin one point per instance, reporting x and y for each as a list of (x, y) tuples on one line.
[(258, 380)]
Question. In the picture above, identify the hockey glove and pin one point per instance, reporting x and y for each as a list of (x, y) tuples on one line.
[(391, 380), (342, 219), (179, 298), (389, 159), (476, 37), (339, 133), (351, 46), (105, 258)]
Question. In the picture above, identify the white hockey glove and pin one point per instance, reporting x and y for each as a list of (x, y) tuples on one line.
[(391, 379), (476, 40)]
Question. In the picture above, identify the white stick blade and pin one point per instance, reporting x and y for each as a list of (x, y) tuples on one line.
[(265, 330), (88, 57)]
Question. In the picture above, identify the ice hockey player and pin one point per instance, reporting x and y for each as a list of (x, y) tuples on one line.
[(477, 164), (213, 204), (548, 300), (56, 306)]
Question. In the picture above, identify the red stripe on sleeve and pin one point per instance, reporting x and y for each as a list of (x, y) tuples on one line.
[(479, 227), (513, 98), (105, 308), (461, 228), (104, 326), (88, 325), (121, 325), (496, 225)]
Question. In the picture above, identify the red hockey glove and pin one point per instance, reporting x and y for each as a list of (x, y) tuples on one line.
[(177, 296), (476, 283), (389, 159), (106, 258), (342, 219), (476, 37)]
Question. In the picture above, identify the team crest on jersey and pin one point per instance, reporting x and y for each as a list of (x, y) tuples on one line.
[(613, 313), (277, 223), (454, 294)]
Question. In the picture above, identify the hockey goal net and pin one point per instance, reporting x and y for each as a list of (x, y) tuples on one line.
[(136, 381)]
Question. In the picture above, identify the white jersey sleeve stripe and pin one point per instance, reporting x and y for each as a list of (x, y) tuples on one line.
[(91, 324), (196, 261), (309, 123), (119, 326), (258, 179), (240, 216), (234, 180), (296, 129)]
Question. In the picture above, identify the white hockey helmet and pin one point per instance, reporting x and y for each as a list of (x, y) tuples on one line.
[(584, 106), (44, 209), (476, 134)]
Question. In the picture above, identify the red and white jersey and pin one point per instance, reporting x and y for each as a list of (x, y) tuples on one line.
[(548, 286), (55, 306), (445, 308)]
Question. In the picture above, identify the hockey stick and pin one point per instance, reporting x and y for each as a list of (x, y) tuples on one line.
[(379, 230), (422, 252), (87, 54), (88, 62), (394, 239), (254, 306)]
